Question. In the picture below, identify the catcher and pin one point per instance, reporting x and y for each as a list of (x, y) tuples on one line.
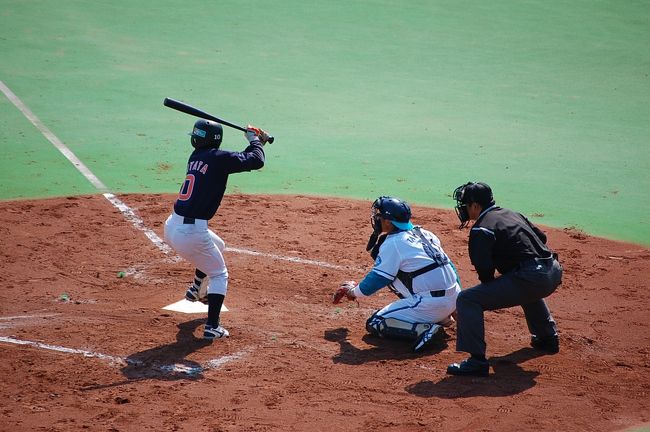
[(409, 260)]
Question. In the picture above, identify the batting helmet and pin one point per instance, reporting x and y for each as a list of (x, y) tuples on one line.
[(206, 133), (393, 209)]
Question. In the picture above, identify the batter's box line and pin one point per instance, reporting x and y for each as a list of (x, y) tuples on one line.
[(27, 317), (7, 322), (137, 222), (291, 259), (190, 371)]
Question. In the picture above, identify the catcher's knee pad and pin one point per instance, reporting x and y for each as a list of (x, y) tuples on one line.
[(395, 328)]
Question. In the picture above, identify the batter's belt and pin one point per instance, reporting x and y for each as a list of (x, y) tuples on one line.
[(185, 220)]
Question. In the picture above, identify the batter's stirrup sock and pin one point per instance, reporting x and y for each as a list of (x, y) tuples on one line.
[(480, 357), (215, 301), (198, 278)]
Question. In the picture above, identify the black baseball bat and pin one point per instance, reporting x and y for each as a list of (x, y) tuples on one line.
[(189, 109)]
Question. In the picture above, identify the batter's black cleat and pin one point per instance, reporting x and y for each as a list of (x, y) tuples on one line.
[(211, 333), (470, 367), (550, 344)]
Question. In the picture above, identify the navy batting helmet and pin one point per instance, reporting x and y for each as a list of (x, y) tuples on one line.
[(393, 209), (206, 133)]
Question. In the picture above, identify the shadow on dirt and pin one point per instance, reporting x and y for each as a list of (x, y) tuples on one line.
[(168, 362), (165, 362), (508, 378), (383, 349)]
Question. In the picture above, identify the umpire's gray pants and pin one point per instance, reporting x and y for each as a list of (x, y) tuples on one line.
[(526, 287)]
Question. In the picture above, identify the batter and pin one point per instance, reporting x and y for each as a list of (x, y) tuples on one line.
[(202, 190)]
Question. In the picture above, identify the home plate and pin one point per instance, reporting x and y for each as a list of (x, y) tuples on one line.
[(189, 307)]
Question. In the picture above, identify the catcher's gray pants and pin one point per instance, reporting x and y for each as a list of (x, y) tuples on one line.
[(525, 286)]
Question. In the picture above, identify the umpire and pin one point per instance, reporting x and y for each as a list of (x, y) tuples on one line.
[(505, 241)]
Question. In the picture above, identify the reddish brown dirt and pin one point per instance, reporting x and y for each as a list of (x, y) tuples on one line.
[(294, 362)]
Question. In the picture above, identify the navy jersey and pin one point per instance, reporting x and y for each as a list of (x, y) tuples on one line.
[(501, 239), (207, 174)]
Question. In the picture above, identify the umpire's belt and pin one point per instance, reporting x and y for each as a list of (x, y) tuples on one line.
[(538, 261)]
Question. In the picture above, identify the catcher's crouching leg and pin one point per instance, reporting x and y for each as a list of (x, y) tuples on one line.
[(394, 328)]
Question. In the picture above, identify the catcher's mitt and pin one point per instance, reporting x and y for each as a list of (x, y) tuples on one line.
[(345, 290)]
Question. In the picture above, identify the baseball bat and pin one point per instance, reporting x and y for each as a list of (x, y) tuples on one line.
[(189, 109)]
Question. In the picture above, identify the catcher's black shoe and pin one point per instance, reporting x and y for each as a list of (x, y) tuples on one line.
[(470, 367), (550, 344), (192, 294), (428, 338)]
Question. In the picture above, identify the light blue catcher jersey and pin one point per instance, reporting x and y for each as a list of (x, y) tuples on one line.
[(405, 251)]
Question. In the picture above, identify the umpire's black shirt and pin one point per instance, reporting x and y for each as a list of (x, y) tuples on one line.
[(501, 239)]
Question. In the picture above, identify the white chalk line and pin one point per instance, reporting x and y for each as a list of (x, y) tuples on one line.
[(137, 222), (19, 317), (7, 322), (125, 361), (47, 133), (290, 259)]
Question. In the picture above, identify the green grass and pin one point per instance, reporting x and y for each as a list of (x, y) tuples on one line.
[(545, 101), (30, 165)]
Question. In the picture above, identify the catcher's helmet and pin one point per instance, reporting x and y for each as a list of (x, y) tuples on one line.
[(393, 209), (206, 133)]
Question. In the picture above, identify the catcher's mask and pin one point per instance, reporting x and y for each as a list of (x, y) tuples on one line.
[(471, 192), (206, 133), (393, 209)]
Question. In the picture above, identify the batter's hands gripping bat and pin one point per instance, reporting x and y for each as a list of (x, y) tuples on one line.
[(188, 109)]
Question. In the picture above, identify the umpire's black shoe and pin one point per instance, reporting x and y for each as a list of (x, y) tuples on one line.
[(470, 367), (550, 344)]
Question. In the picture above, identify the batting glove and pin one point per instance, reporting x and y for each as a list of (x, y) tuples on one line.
[(253, 133)]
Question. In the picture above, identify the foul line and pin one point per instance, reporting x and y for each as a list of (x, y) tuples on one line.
[(126, 211), (83, 169), (124, 361), (137, 222)]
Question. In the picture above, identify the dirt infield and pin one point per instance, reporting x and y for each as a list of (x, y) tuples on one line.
[(83, 349)]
